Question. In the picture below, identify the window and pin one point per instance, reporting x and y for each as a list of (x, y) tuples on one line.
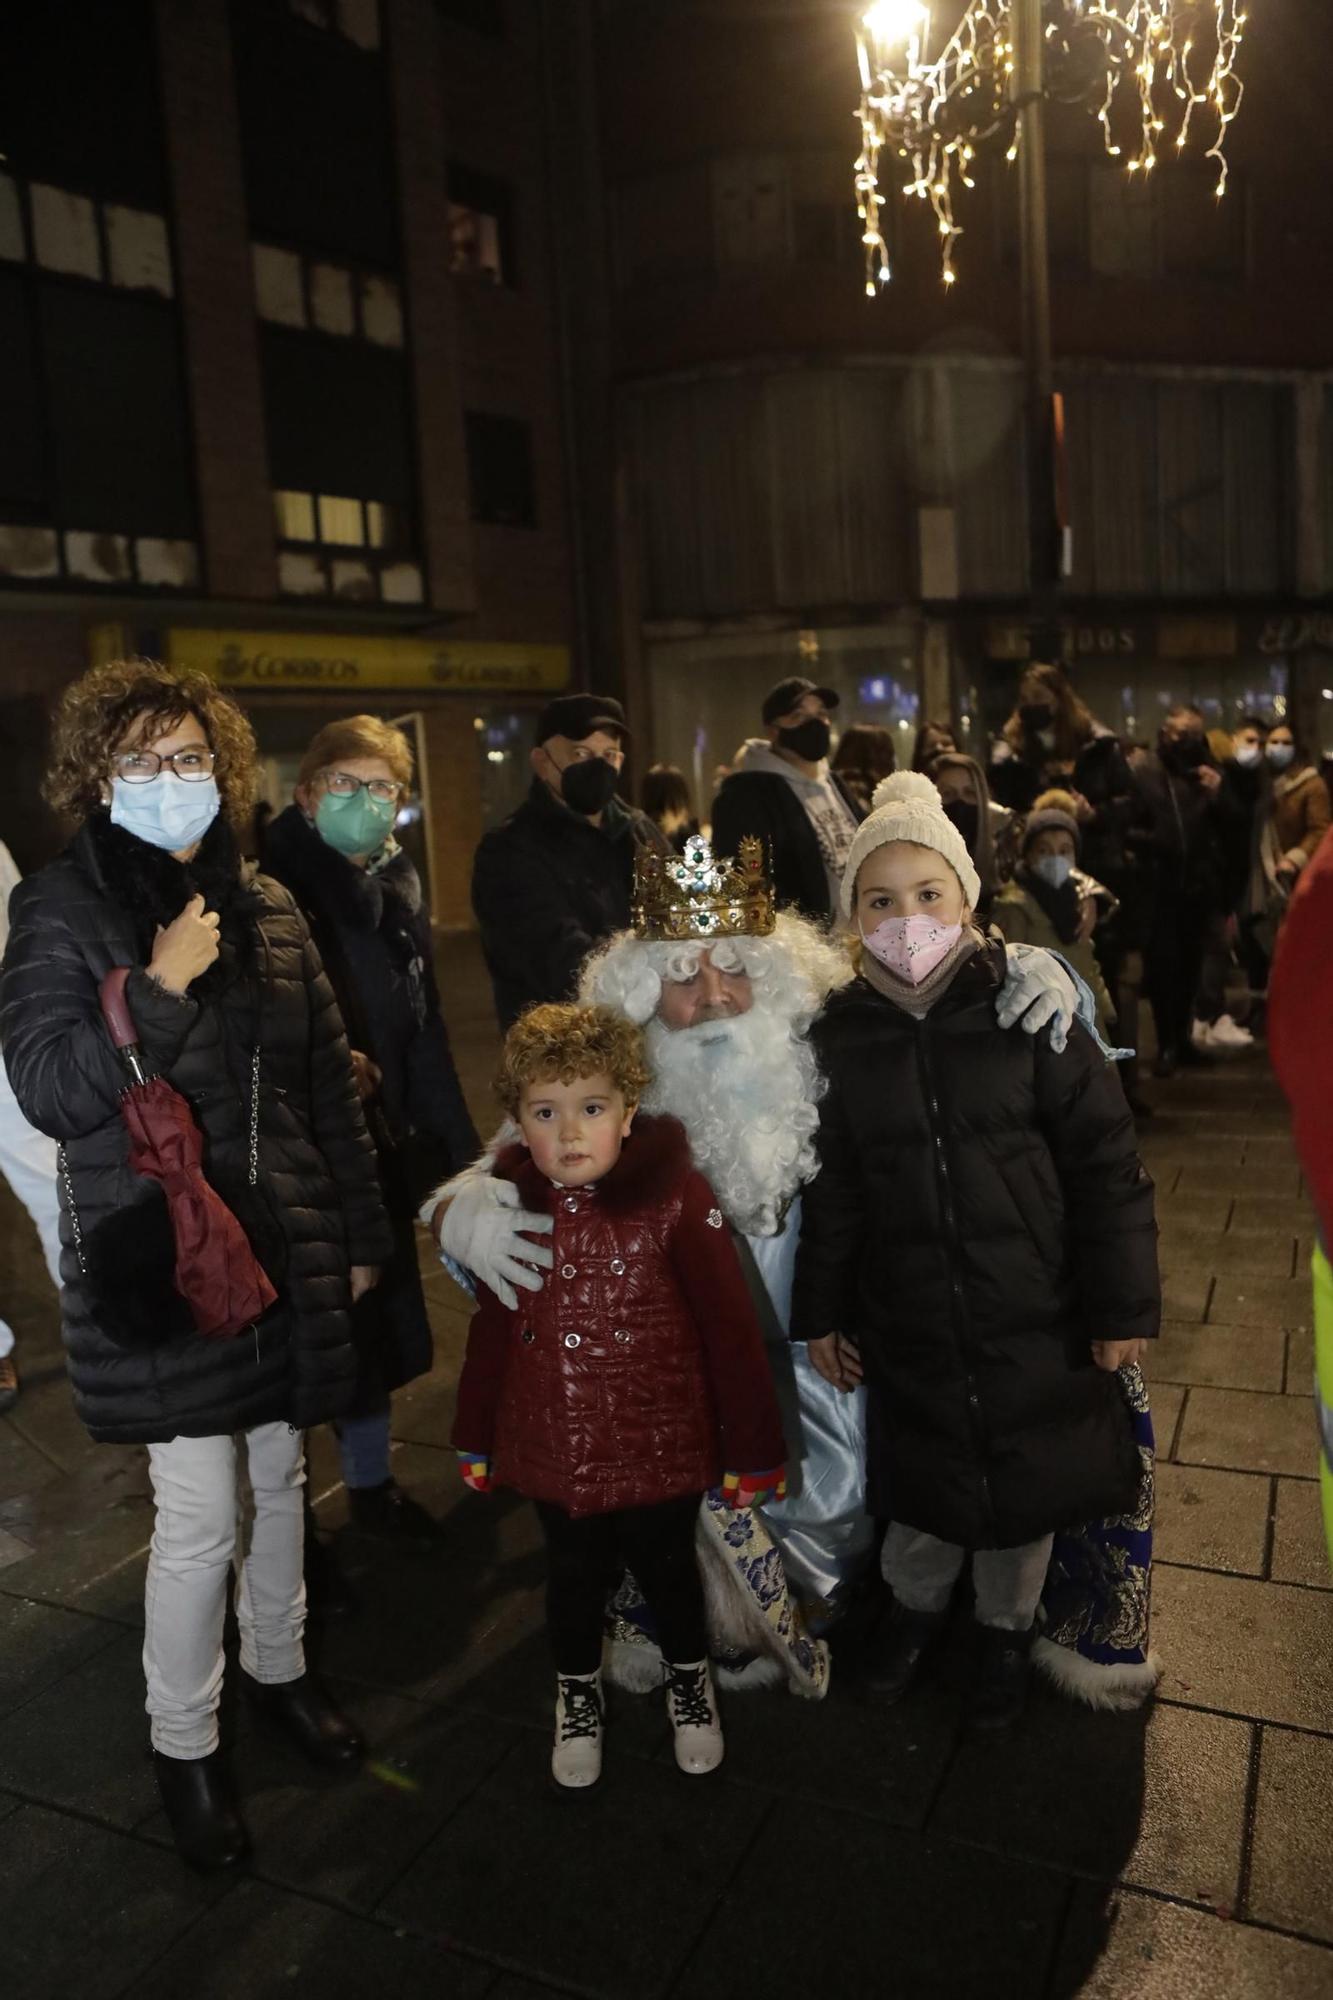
[(332, 545), (484, 17), (500, 471), (751, 209), (78, 237), (323, 297), (481, 226)]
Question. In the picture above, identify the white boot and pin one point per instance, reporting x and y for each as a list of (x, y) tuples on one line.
[(580, 1718), (692, 1707)]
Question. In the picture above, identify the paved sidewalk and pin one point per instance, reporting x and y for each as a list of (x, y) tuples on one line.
[(842, 1850)]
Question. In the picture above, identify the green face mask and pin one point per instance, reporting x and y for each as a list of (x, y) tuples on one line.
[(354, 825)]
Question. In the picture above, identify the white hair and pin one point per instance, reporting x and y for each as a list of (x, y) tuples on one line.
[(746, 1089)]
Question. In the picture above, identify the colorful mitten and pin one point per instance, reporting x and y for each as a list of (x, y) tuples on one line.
[(752, 1489), (476, 1470)]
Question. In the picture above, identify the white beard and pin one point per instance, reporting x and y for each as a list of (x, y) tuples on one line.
[(747, 1091)]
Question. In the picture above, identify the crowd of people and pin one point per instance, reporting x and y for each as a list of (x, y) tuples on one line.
[(812, 1251)]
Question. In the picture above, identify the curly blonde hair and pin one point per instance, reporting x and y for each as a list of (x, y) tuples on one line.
[(127, 703), (565, 1043)]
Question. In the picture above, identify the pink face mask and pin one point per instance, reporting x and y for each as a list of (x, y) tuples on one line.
[(911, 947)]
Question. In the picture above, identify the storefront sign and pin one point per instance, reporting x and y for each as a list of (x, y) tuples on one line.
[(300, 662), (1297, 631)]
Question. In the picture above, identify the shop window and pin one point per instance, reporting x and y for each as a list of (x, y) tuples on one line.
[(500, 470), (292, 290), (484, 17), (481, 226)]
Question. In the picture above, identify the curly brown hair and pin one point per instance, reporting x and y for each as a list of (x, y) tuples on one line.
[(561, 1043), (127, 703)]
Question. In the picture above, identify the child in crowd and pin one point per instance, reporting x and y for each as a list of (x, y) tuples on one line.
[(633, 1382), (1050, 902), (980, 1243)]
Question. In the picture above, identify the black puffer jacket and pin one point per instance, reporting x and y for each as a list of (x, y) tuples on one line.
[(141, 1373), (373, 935), (979, 1218)]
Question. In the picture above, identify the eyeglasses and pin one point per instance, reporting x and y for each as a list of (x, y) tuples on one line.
[(140, 767), (343, 785)]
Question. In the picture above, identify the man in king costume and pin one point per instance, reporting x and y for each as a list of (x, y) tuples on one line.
[(725, 990)]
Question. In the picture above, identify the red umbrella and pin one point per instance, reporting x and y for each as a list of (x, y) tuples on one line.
[(217, 1273)]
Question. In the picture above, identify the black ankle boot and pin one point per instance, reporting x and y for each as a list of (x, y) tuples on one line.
[(303, 1712), (204, 1823), (1004, 1667), (895, 1654), (327, 1591)]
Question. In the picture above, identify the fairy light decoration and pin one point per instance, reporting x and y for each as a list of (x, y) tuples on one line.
[(1146, 67)]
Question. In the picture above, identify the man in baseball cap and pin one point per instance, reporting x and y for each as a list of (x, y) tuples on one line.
[(782, 790), (556, 878)]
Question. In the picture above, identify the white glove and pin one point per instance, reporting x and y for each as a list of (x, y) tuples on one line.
[(485, 1230), (1038, 990)]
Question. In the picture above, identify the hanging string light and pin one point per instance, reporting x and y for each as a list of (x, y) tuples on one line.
[(1145, 66)]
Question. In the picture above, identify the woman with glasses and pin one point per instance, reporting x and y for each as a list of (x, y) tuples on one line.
[(231, 1006), (335, 850)]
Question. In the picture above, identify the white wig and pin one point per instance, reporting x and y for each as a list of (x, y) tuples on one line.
[(792, 971)]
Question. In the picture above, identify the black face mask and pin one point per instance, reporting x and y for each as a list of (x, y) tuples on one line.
[(1035, 717), (966, 818), (809, 740), (588, 786), (1183, 753)]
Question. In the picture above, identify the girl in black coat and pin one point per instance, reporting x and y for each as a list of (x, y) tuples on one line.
[(359, 892), (980, 1243), (232, 1008)]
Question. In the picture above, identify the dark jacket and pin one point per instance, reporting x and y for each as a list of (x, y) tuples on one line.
[(548, 887), (373, 935), (1241, 794), (979, 1218), (764, 804), (638, 1372), (140, 1372), (1183, 836)]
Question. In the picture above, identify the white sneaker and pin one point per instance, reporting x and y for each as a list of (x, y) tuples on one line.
[(580, 1720), (1228, 1034), (692, 1707), (1201, 1034)]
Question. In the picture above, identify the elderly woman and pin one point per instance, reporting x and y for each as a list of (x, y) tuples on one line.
[(231, 1006), (359, 892)]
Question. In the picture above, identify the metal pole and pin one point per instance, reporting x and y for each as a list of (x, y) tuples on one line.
[(1038, 372)]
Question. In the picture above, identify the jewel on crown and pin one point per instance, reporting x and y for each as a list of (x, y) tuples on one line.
[(695, 895)]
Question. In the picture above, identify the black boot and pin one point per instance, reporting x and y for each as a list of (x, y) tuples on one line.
[(393, 1516), (328, 1594), (1004, 1667), (204, 1823), (896, 1653), (303, 1712)]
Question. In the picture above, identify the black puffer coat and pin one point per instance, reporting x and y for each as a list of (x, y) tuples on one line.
[(373, 935), (141, 1373), (979, 1218)]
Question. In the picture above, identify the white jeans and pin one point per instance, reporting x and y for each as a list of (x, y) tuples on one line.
[(921, 1571), (28, 1163), (194, 1542)]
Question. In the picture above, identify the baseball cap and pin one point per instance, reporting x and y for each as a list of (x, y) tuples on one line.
[(782, 699), (578, 715)]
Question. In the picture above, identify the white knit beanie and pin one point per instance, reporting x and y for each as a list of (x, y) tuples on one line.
[(908, 807)]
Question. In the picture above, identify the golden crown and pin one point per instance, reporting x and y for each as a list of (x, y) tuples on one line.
[(696, 896)]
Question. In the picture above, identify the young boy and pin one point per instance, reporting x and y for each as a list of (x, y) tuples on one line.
[(980, 1242), (1049, 902), (624, 1389)]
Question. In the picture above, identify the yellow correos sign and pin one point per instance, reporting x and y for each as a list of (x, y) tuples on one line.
[(304, 662)]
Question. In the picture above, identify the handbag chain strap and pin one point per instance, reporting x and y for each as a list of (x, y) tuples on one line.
[(254, 1117), (67, 1182)]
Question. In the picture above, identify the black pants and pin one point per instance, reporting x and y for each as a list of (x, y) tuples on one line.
[(586, 1557), (1173, 964)]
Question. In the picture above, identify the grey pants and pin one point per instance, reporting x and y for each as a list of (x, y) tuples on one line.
[(921, 1571)]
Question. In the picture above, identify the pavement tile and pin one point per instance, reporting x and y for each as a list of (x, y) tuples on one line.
[(40, 1644), (1242, 1301), (1161, 1951), (1219, 1357), (517, 1685), (1208, 1212), (1247, 1432), (1248, 1648), (83, 1742), (1185, 1293), (1167, 1401), (1300, 1362), (1300, 1547), (89, 1534), (83, 1909), (1290, 1883), (262, 1942), (1157, 1796), (1271, 1211), (603, 1891), (850, 1916), (1259, 1253), (23, 1468), (1211, 1520)]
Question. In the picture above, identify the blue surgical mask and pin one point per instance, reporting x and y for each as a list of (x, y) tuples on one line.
[(1280, 755), (168, 811), (356, 823), (1054, 868)]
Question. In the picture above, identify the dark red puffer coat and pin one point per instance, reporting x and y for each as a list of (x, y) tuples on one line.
[(638, 1372)]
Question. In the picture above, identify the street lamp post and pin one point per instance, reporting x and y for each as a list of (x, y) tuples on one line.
[(1044, 528)]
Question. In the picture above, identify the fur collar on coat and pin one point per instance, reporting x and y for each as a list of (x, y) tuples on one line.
[(322, 879), (654, 1160)]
